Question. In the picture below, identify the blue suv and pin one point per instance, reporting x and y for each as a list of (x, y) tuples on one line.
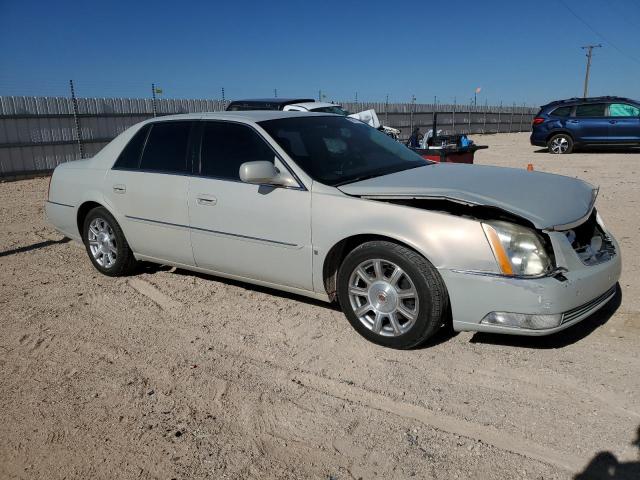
[(564, 125)]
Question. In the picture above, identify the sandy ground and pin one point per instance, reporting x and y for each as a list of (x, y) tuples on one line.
[(167, 374)]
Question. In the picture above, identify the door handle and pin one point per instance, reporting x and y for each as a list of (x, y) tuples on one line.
[(613, 122), (574, 121), (119, 188), (206, 200)]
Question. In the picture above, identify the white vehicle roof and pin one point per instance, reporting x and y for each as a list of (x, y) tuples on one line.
[(248, 115), (315, 105)]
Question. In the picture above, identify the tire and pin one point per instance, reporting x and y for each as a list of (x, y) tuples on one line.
[(392, 309), (560, 143), (106, 245)]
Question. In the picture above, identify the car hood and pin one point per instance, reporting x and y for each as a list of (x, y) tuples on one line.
[(548, 201)]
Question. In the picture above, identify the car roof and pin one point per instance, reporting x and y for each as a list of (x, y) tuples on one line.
[(311, 105), (581, 100), (270, 102), (246, 115)]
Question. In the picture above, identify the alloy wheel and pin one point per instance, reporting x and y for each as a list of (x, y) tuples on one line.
[(102, 242), (383, 297), (559, 145)]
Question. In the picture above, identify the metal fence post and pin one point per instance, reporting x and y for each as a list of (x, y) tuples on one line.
[(521, 115), (413, 103), (499, 117), (453, 117), (153, 99), (511, 118), (386, 110), (484, 121), (76, 119)]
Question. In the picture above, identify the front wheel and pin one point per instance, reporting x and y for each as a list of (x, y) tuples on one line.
[(391, 295), (560, 143)]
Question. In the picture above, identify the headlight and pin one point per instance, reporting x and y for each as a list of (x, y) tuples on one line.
[(518, 250)]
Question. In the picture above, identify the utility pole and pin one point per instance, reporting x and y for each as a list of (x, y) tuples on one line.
[(589, 49), (275, 92), (319, 95)]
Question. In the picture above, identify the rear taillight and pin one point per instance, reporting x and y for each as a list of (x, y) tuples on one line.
[(538, 120)]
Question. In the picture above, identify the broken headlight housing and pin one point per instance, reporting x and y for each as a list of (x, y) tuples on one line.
[(519, 251)]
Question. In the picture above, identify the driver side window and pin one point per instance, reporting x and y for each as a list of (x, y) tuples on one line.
[(225, 146)]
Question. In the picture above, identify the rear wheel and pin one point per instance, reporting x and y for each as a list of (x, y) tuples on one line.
[(105, 243), (391, 295), (560, 143)]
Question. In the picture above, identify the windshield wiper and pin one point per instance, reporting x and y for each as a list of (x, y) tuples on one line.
[(358, 179), (373, 175)]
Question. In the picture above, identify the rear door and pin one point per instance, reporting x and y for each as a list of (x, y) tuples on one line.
[(590, 123), (148, 186), (624, 123)]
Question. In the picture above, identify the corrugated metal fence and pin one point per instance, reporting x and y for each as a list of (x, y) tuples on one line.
[(38, 133)]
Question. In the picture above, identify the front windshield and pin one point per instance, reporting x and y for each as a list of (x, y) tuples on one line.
[(333, 109), (339, 150)]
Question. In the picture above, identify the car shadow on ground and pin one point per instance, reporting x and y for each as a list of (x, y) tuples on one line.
[(446, 333), (561, 339), (35, 246), (150, 268), (257, 288), (605, 466), (443, 335)]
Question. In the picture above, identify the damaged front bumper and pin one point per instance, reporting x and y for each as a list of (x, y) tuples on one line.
[(532, 306)]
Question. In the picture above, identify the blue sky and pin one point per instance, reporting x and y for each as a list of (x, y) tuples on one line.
[(517, 51)]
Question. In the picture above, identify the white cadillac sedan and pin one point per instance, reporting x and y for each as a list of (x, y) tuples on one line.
[(325, 206)]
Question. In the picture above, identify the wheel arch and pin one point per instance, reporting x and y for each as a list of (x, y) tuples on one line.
[(338, 252), (84, 209), (556, 132)]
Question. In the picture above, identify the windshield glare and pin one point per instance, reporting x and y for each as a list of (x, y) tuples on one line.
[(339, 150)]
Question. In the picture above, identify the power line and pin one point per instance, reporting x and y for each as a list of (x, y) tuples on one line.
[(611, 44)]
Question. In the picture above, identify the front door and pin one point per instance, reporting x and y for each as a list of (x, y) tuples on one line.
[(147, 187), (624, 123), (256, 232)]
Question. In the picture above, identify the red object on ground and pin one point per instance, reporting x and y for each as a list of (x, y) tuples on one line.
[(449, 155)]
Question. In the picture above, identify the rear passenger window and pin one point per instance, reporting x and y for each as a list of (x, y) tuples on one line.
[(130, 156), (166, 148), (226, 146), (562, 112), (590, 110)]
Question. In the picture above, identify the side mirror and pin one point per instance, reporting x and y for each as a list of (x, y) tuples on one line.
[(265, 173)]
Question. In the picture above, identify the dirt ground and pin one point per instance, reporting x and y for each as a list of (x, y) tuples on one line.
[(168, 374)]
